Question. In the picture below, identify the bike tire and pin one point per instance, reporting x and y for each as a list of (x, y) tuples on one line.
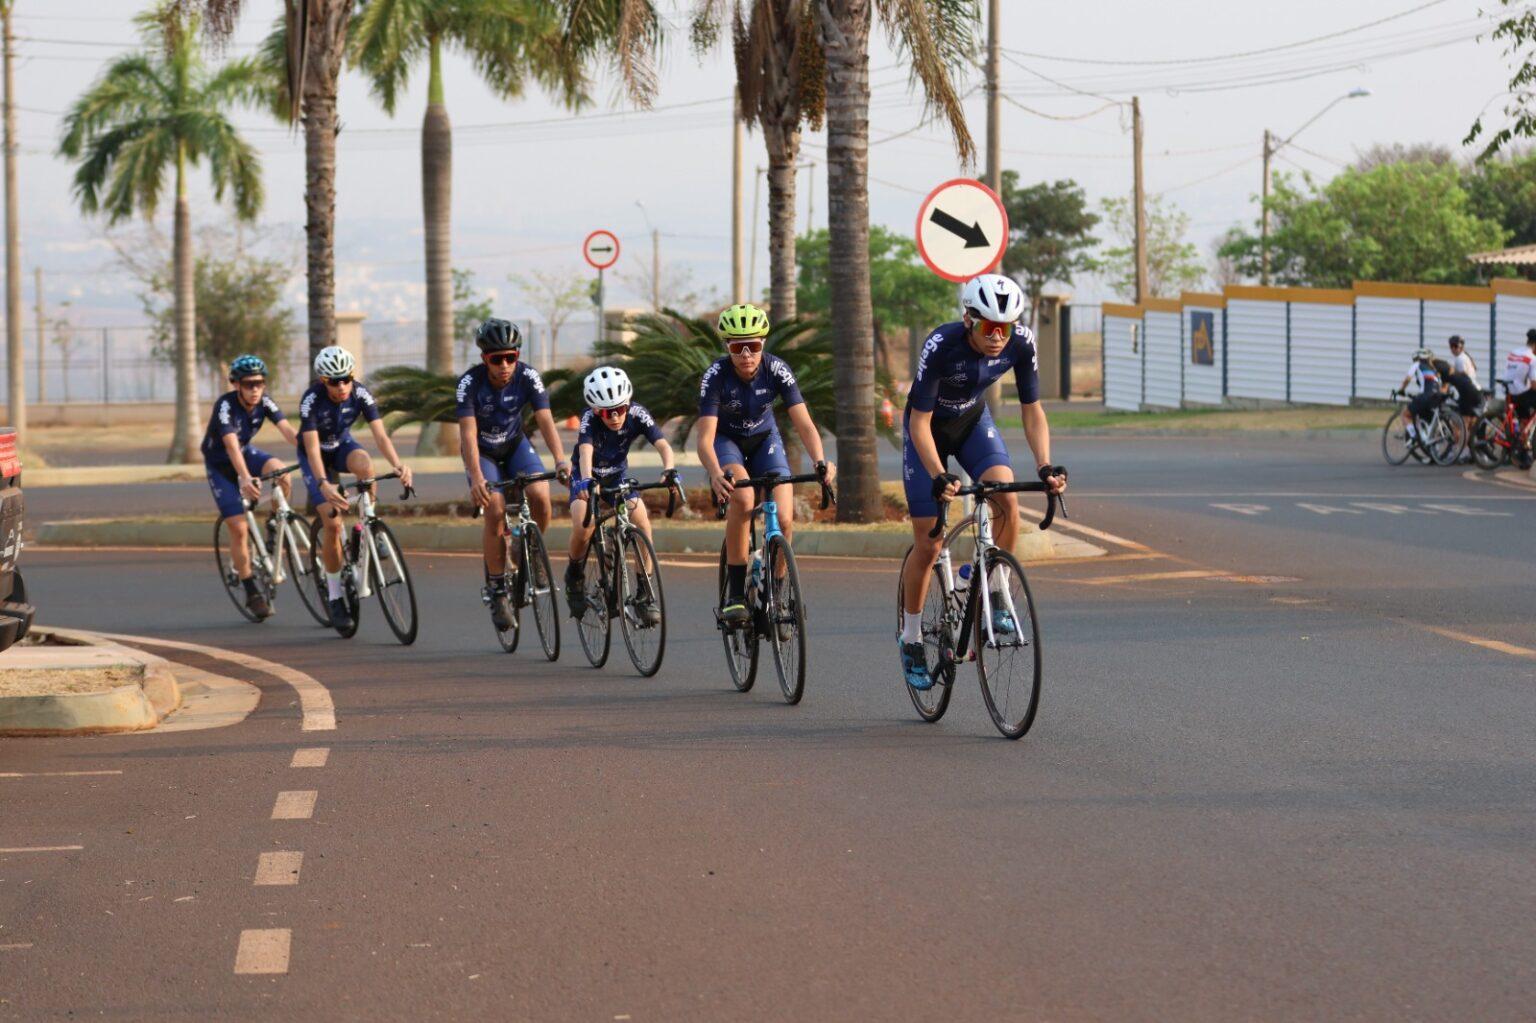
[(510, 638), (1447, 434), (317, 573), (1395, 445), (594, 629), (546, 612), (348, 583), (1487, 451), (227, 577), (941, 617), (392, 583), (296, 550), (785, 606), (1010, 684), (740, 642), (647, 644)]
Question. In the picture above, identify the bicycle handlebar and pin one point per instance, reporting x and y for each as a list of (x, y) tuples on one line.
[(986, 488), (278, 473), (360, 485), (758, 483), (673, 486)]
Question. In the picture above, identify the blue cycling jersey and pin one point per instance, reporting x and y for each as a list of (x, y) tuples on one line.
[(333, 420), (610, 448), (229, 416), (745, 407), (952, 376), (499, 412)]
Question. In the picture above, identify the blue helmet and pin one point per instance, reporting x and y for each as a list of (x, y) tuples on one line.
[(247, 366)]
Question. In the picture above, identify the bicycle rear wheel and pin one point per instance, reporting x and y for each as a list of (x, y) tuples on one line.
[(296, 552), (1009, 661), (1395, 447), (1489, 449), (784, 609), (740, 642), (540, 588), (227, 575), (939, 628), (639, 586), (1446, 434), (392, 583), (594, 627)]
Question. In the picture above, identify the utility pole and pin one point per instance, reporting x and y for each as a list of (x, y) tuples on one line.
[(1140, 199), (656, 269), (994, 108), (738, 143), (42, 337), (16, 396), (1264, 214)]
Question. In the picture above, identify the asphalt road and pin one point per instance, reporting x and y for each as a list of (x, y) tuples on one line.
[(1260, 787)]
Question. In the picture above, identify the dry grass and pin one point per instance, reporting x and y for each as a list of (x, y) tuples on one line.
[(60, 681)]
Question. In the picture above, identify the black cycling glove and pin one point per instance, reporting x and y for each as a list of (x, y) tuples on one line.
[(941, 483), (1047, 471)]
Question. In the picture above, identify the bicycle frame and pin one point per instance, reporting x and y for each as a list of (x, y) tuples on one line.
[(283, 514), (622, 525), (980, 592)]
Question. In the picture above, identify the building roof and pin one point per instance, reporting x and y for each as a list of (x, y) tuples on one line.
[(1520, 255)]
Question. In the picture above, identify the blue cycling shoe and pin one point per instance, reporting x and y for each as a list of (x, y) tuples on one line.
[(915, 665), (1002, 618)]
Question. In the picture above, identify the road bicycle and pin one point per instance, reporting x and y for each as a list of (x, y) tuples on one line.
[(983, 613), (372, 564), (776, 610), (278, 551), (625, 583), (1492, 442), (1438, 435), (522, 545)]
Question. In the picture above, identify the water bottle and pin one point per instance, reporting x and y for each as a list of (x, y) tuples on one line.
[(963, 578)]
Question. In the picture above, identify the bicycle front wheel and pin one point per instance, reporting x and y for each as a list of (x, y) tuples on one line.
[(1446, 436), (1394, 440), (593, 628), (296, 553), (227, 575), (784, 609), (642, 605), (1489, 450), (1008, 647), (392, 584), (348, 579), (540, 587), (740, 642), (938, 644)]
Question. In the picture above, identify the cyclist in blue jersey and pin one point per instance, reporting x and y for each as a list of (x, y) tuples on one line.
[(326, 414), (490, 403), (613, 421), (946, 417), (1433, 387), (232, 462), (738, 437)]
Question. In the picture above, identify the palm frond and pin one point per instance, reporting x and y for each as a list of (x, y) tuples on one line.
[(937, 36), (409, 394), (628, 31)]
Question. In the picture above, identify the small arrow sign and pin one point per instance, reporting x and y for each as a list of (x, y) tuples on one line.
[(962, 229), (600, 249), (974, 236)]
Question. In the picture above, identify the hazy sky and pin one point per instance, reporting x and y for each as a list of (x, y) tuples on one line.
[(530, 180)]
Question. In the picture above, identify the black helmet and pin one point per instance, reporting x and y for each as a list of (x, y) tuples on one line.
[(1530, 336), (497, 335)]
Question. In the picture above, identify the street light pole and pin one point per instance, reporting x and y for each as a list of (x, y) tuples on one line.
[(1273, 146)]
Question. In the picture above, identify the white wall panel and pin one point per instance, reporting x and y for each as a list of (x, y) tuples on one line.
[(1320, 353), (1256, 348), (1386, 336), (1122, 363), (1202, 384), (1470, 320), (1162, 337)]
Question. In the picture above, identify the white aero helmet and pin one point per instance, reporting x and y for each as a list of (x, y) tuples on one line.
[(993, 297), (607, 387), (334, 361)]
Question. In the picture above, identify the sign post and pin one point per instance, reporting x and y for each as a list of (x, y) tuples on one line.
[(600, 250), (962, 229)]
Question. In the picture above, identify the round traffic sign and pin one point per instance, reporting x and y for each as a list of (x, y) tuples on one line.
[(601, 249), (962, 229)]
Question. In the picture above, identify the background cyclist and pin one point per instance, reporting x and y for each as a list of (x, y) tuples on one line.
[(612, 422), (1431, 388), (326, 414), (1520, 380), (946, 417), (1463, 380), (737, 434), (490, 403), (229, 459)]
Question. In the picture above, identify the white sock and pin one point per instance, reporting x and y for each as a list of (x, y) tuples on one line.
[(333, 585), (1411, 431), (911, 627)]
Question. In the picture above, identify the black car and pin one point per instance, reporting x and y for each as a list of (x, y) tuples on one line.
[(15, 613)]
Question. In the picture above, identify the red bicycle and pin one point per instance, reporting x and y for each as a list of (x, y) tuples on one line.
[(1500, 439)]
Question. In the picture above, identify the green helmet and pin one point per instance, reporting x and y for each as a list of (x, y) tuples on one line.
[(743, 321)]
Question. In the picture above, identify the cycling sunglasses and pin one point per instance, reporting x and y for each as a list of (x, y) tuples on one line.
[(617, 412), (744, 347), (338, 381), (995, 330), (501, 358), (251, 384)]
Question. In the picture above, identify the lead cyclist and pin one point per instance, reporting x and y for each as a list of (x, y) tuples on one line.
[(946, 417)]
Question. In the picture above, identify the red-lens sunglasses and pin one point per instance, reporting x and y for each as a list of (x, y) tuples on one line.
[(616, 412)]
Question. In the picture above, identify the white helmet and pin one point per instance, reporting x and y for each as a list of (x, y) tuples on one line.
[(607, 387), (334, 361), (993, 297)]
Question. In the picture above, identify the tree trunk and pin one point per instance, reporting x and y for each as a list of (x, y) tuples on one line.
[(184, 435), (783, 144), (437, 217), (325, 46), (845, 38)]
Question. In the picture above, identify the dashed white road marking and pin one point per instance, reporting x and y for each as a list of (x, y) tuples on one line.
[(315, 757), (1328, 509), (1390, 509), (54, 774), (16, 946), (314, 698), (264, 951), (278, 868), (294, 805), (1461, 509), (1243, 509), (1487, 644), (42, 848), (1146, 577)]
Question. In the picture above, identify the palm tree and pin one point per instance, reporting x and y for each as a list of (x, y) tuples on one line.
[(937, 37), (149, 111), (508, 41)]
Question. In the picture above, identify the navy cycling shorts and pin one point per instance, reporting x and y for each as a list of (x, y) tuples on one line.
[(762, 454), (335, 462), (521, 459), (226, 489), (978, 450)]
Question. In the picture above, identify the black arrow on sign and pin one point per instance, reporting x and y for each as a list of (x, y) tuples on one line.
[(605, 248), (973, 236)]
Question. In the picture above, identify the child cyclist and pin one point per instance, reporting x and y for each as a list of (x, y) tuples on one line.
[(613, 421), (232, 463)]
